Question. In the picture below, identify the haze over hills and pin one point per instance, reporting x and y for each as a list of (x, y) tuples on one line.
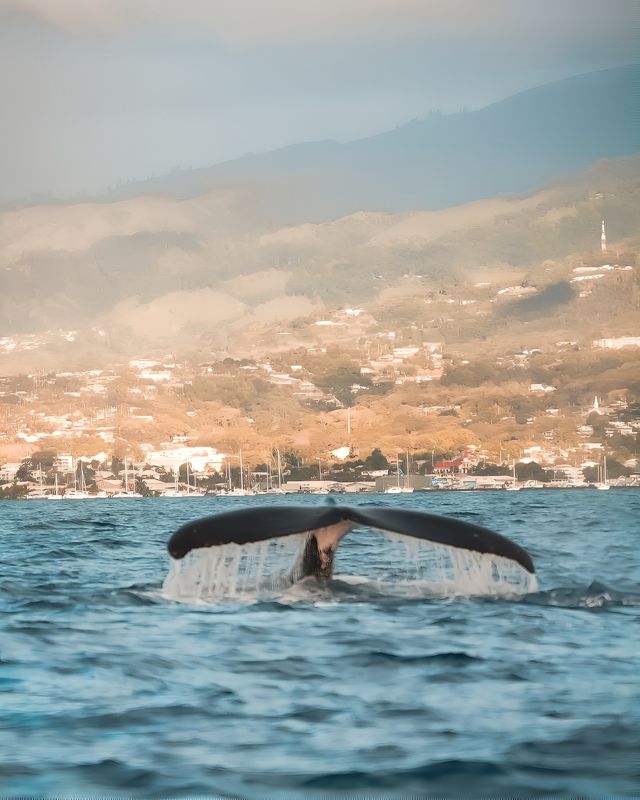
[(510, 146), (267, 244), (156, 273)]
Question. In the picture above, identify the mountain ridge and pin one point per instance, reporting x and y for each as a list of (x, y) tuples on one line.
[(509, 146)]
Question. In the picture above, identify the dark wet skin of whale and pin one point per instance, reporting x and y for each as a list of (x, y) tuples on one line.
[(326, 525)]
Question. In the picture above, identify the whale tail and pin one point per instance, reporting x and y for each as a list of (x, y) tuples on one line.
[(324, 527)]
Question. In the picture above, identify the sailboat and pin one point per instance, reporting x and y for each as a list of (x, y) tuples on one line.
[(126, 492), (241, 492), (57, 495), (513, 487), (176, 491), (603, 483), (39, 495), (398, 489), (194, 491), (78, 493), (278, 489)]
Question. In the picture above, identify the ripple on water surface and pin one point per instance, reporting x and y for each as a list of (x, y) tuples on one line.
[(109, 688)]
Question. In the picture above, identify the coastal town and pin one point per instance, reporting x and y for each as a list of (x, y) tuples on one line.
[(346, 356), (319, 418)]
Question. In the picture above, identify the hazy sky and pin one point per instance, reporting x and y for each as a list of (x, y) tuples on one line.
[(97, 92)]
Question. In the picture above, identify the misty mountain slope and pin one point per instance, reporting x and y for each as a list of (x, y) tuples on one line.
[(517, 231), (510, 146), (130, 264)]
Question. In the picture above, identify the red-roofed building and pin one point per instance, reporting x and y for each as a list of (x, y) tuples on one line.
[(454, 466)]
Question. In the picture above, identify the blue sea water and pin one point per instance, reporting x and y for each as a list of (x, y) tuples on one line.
[(108, 688)]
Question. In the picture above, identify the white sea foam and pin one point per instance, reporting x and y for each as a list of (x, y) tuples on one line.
[(407, 567)]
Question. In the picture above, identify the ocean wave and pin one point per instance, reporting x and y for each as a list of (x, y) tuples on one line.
[(363, 686), (594, 596)]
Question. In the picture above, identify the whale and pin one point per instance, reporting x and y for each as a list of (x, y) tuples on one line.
[(325, 526)]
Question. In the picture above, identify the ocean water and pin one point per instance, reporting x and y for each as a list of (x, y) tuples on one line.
[(110, 686)]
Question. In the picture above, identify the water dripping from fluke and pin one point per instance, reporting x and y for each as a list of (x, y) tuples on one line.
[(248, 572), (256, 554)]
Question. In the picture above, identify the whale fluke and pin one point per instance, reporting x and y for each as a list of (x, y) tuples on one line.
[(326, 525)]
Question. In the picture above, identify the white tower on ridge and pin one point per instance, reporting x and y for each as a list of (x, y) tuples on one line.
[(603, 239)]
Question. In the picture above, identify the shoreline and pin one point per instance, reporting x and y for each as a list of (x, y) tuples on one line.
[(307, 493)]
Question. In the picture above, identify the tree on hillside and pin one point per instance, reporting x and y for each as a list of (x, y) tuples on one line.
[(340, 381), (13, 492), (117, 465), (376, 460), (24, 470), (533, 472), (598, 422), (487, 468), (43, 458), (614, 470), (523, 408), (289, 459), (307, 472), (142, 488), (240, 391)]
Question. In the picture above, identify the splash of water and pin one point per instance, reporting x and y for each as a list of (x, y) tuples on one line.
[(257, 570), (408, 567), (441, 570)]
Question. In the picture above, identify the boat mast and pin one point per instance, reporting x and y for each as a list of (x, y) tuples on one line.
[(279, 469)]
